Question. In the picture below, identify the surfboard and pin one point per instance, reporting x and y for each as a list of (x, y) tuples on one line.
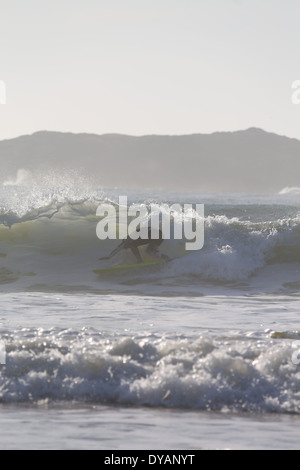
[(129, 267)]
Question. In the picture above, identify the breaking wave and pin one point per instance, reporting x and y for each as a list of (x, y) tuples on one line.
[(52, 235), (204, 373)]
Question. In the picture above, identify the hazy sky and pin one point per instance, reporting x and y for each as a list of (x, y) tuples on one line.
[(149, 66)]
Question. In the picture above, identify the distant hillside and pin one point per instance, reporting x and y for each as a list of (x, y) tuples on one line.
[(242, 161)]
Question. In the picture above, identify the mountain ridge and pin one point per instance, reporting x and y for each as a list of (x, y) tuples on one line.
[(251, 160)]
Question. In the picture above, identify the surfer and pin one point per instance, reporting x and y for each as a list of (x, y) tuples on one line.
[(133, 245)]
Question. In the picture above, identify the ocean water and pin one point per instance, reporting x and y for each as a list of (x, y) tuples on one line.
[(198, 353)]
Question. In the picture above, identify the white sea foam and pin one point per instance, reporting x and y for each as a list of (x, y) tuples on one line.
[(290, 190), (204, 373)]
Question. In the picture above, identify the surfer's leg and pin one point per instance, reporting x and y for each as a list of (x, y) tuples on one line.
[(136, 253), (153, 247)]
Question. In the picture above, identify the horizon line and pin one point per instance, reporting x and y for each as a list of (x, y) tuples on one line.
[(252, 128)]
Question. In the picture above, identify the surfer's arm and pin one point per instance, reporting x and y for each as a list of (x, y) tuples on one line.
[(115, 251)]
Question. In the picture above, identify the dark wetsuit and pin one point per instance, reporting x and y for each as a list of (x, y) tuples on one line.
[(153, 243), (133, 245)]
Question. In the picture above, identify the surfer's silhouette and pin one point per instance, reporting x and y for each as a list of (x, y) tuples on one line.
[(133, 245)]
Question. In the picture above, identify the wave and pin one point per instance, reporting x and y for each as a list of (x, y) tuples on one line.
[(290, 190), (21, 178), (204, 373), (235, 250), (44, 232)]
